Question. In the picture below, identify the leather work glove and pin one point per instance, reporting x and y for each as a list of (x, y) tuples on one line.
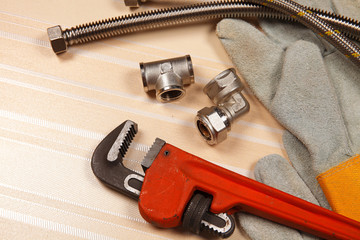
[(314, 92)]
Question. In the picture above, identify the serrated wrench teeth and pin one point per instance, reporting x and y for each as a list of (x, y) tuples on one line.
[(223, 231), (122, 142)]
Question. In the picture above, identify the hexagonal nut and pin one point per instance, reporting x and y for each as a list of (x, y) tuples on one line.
[(132, 3), (57, 40), (223, 85), (211, 125)]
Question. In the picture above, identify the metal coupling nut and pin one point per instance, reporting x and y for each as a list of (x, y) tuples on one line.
[(168, 77), (133, 3), (57, 39), (225, 91)]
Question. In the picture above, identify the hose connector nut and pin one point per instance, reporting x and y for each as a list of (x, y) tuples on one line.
[(57, 39), (133, 3), (225, 91), (168, 77)]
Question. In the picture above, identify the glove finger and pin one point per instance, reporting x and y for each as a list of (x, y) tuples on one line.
[(285, 33), (306, 104), (319, 4), (257, 228), (256, 57), (301, 160), (275, 171), (349, 8), (345, 78)]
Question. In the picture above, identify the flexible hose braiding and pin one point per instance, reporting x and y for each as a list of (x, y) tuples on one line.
[(319, 21)]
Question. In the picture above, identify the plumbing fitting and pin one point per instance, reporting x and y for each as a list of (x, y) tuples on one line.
[(225, 91), (168, 77), (133, 3), (57, 39)]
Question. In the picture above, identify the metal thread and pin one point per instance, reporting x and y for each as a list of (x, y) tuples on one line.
[(317, 20)]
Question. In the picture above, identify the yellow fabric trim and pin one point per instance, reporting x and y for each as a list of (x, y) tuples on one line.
[(341, 185)]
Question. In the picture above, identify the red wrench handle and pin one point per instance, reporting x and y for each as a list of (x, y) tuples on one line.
[(175, 175)]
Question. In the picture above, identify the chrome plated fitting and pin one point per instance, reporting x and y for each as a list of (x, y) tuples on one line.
[(57, 39), (133, 3), (225, 91), (168, 77)]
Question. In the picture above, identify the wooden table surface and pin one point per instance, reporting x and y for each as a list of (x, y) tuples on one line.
[(54, 110)]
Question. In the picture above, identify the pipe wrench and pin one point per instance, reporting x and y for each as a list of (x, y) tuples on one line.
[(180, 189)]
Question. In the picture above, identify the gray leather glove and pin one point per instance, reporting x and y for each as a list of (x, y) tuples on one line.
[(312, 90)]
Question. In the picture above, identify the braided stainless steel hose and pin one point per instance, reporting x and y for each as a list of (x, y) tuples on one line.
[(201, 12)]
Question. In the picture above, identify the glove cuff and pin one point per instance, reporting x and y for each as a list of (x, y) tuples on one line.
[(341, 187)]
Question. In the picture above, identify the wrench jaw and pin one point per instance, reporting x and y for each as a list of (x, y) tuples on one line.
[(223, 228), (107, 161), (198, 219), (152, 153), (107, 165)]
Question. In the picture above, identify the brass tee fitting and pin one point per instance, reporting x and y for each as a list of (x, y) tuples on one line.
[(167, 77), (225, 91)]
